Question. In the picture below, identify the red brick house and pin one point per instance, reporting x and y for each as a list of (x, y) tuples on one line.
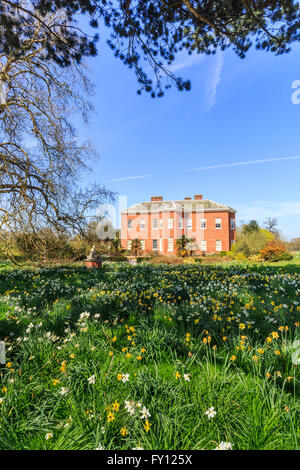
[(159, 224)]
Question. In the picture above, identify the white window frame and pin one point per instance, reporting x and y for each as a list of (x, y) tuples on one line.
[(220, 246), (203, 224), (142, 224), (155, 249), (232, 223), (205, 245), (180, 223), (170, 240), (129, 243), (155, 223), (190, 223), (218, 223), (160, 223), (170, 222), (129, 224)]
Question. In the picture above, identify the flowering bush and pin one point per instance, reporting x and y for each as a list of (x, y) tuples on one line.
[(275, 251), (189, 260)]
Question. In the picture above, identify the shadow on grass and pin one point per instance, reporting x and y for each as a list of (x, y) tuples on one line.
[(288, 268)]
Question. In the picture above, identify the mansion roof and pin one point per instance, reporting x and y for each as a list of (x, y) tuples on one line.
[(203, 205)]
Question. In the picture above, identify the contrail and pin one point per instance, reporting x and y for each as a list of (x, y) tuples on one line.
[(215, 77), (249, 162), (129, 178)]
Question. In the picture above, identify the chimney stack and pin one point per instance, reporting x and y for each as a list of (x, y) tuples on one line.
[(198, 197), (187, 198), (156, 198)]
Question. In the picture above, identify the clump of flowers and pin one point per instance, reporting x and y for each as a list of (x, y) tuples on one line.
[(210, 413), (224, 446)]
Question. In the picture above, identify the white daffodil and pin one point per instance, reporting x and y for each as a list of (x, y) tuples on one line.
[(210, 413), (91, 380), (224, 446), (145, 413), (125, 378), (129, 406)]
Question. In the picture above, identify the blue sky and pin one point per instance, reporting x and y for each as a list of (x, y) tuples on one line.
[(237, 111)]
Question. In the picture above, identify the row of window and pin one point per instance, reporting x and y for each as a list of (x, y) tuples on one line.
[(155, 222), (157, 245)]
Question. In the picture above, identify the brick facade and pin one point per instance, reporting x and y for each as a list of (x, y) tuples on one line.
[(158, 224)]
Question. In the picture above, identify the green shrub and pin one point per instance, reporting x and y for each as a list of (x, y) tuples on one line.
[(140, 259), (240, 257), (118, 258)]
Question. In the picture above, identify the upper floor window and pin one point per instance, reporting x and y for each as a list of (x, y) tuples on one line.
[(170, 222), (142, 224), (154, 223), (190, 223), (180, 223), (232, 223), (160, 223), (154, 245), (129, 223), (218, 223), (203, 223)]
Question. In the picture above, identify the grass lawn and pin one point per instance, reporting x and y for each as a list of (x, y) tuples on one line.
[(293, 265), (152, 357)]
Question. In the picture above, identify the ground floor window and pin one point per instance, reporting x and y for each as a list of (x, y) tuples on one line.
[(170, 244), (154, 245), (218, 245), (203, 245), (129, 244), (142, 244)]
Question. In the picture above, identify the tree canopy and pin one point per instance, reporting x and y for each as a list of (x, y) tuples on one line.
[(252, 226), (153, 32)]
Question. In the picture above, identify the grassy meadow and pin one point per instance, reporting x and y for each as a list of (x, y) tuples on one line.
[(151, 357)]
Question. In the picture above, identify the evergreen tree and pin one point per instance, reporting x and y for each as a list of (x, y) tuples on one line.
[(152, 32)]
